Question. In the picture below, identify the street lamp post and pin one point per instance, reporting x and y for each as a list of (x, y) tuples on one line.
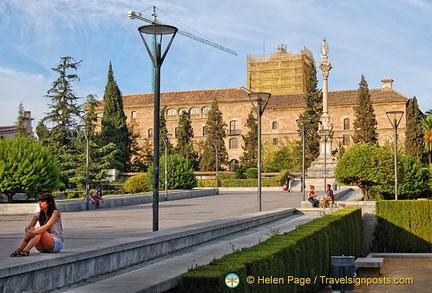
[(87, 135), (156, 31), (302, 123), (262, 100), (395, 118), (166, 140), (325, 133), (216, 143)]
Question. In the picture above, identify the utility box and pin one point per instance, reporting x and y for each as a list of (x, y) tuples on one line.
[(342, 272)]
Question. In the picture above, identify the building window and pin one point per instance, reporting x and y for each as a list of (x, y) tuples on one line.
[(346, 123), (346, 140), (205, 110), (205, 131), (182, 110), (275, 125), (133, 114), (150, 133), (171, 112), (233, 128), (233, 164), (233, 143), (195, 111), (176, 130), (275, 141)]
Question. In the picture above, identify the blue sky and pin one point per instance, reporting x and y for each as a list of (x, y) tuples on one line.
[(380, 39)]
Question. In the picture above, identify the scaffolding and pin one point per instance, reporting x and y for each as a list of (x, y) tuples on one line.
[(279, 73)]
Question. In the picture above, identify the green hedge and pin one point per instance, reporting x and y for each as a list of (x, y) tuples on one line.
[(404, 226), (303, 253), (238, 183)]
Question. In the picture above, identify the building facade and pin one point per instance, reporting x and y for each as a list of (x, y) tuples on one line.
[(278, 120)]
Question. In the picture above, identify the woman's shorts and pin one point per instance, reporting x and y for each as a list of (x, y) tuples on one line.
[(58, 245)]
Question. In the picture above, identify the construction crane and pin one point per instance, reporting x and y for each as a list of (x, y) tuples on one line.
[(133, 15)]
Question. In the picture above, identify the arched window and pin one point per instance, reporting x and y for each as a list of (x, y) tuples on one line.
[(150, 132), (205, 130), (233, 143), (205, 110), (233, 164), (346, 123), (275, 141), (182, 110), (171, 112), (275, 125), (195, 111), (233, 128)]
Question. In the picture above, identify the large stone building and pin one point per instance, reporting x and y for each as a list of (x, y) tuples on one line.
[(278, 120)]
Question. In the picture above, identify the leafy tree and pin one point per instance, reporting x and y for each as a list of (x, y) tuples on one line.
[(365, 121), (427, 136), (136, 184), (184, 137), (26, 166), (366, 165), (163, 130), (63, 116), (414, 131), (284, 155), (313, 112), (21, 129), (114, 127), (216, 129), (180, 174), (138, 161), (250, 148), (415, 183)]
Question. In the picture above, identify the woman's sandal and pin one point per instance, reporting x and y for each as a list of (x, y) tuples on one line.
[(15, 253), (23, 253)]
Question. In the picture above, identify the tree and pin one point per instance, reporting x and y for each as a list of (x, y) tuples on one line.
[(365, 121), (63, 116), (114, 127), (250, 148), (427, 136), (27, 166), (216, 129), (163, 130), (138, 161), (286, 154), (184, 137), (366, 165), (414, 131), (313, 112), (21, 129)]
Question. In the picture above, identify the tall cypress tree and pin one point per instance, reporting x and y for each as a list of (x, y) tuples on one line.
[(163, 130), (114, 127), (20, 126), (63, 116), (365, 121), (313, 112), (184, 137), (414, 131), (250, 140), (216, 129)]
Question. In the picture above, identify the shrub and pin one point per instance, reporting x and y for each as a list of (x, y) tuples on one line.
[(136, 184), (239, 172), (282, 176), (252, 173)]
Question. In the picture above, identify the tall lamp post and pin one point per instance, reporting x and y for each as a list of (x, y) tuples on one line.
[(87, 135), (166, 137), (259, 103), (395, 118), (302, 123), (216, 143), (157, 31), (325, 133)]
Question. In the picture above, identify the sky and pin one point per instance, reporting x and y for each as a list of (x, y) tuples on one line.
[(380, 39)]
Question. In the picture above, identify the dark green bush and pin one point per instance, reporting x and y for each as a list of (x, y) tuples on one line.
[(240, 173), (252, 173), (136, 184)]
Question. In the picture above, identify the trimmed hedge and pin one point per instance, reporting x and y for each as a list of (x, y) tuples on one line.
[(238, 183), (302, 253), (404, 226)]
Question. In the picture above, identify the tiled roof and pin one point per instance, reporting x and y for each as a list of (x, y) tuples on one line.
[(345, 97), (7, 129)]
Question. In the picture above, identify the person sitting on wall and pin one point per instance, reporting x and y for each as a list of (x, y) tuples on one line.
[(329, 196), (97, 197), (312, 197)]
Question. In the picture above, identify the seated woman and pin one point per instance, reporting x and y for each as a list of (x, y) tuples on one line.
[(312, 197), (329, 196), (48, 237)]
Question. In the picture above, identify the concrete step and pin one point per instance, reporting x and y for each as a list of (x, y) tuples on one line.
[(73, 266), (164, 273)]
